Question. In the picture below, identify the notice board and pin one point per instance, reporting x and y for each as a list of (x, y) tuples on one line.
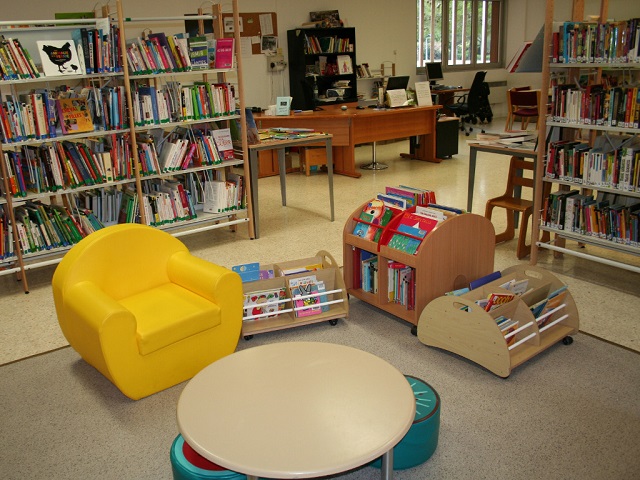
[(253, 25)]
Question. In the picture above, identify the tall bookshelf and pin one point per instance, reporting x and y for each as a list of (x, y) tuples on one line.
[(595, 130), (316, 53), (102, 198)]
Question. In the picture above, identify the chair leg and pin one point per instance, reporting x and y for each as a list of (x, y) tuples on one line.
[(523, 249), (510, 231)]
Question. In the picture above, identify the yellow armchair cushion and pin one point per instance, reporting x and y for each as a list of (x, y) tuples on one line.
[(168, 314)]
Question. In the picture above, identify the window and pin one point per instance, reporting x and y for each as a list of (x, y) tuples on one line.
[(460, 33)]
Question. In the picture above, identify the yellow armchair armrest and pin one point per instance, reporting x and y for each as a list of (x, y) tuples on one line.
[(94, 321), (213, 282)]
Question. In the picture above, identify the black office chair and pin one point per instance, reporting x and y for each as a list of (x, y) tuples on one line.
[(473, 106)]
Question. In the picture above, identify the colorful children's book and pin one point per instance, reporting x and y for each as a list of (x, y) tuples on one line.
[(304, 287), (264, 302), (59, 58), (74, 115)]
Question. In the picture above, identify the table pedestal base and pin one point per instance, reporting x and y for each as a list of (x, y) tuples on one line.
[(375, 165)]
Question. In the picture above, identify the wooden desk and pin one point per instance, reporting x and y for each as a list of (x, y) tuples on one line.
[(280, 146), (474, 148), (352, 127), (297, 410)]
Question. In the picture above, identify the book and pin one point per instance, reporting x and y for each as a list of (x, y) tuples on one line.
[(224, 53), (496, 300), (59, 58), (376, 215), (267, 303), (345, 65), (224, 143), (198, 52), (74, 115), (305, 286)]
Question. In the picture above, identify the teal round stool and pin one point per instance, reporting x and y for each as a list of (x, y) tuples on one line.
[(187, 464), (421, 440)]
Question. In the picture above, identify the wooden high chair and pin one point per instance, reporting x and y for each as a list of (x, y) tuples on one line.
[(514, 204)]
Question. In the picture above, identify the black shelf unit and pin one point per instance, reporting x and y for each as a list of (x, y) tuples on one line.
[(340, 41)]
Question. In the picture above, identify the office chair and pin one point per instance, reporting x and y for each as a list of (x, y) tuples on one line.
[(473, 106)]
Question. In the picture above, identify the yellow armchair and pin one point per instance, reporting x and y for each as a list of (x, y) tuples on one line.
[(136, 305)]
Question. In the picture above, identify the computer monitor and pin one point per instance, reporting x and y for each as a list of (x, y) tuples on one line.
[(397, 83), (434, 72)]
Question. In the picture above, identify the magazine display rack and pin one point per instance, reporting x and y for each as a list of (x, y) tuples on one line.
[(458, 250), (459, 325), (284, 313)]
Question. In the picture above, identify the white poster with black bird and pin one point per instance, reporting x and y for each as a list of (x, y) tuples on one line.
[(59, 57)]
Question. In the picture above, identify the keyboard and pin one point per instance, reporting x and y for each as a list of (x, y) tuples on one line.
[(443, 87)]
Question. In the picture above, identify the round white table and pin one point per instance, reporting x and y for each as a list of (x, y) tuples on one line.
[(297, 410)]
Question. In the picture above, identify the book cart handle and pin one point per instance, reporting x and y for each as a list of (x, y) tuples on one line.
[(328, 259)]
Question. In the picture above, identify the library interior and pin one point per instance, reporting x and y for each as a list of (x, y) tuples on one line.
[(267, 239)]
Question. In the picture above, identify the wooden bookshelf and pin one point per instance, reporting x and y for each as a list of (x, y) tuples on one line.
[(459, 325), (121, 142), (459, 250), (335, 291), (592, 128)]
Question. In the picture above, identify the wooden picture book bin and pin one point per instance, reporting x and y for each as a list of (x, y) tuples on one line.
[(458, 324)]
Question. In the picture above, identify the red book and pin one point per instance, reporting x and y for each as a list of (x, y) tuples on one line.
[(224, 53)]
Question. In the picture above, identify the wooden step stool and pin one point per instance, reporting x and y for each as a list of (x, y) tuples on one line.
[(312, 156)]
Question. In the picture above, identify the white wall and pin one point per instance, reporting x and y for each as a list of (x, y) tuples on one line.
[(385, 32)]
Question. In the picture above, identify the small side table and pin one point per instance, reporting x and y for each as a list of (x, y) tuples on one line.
[(280, 146)]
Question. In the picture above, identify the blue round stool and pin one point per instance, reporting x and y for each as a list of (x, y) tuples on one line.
[(187, 464), (421, 440)]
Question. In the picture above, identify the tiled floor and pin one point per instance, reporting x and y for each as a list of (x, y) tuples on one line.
[(607, 297)]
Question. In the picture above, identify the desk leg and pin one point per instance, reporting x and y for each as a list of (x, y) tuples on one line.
[(329, 151), (283, 176), (253, 169), (387, 465), (472, 175)]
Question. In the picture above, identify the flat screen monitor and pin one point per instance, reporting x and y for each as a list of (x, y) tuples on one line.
[(434, 71), (398, 83)]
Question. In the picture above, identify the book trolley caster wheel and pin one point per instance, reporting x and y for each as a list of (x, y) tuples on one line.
[(248, 337), (567, 340), (333, 322)]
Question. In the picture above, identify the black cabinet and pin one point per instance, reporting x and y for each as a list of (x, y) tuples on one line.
[(447, 129), (322, 59)]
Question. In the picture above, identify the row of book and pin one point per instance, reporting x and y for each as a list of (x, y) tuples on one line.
[(43, 227), (15, 61), (401, 284), (606, 216), (612, 162), (590, 42), (66, 165), (50, 113), (377, 213), (174, 102), (329, 44), (223, 196), (618, 106), (160, 53), (99, 49)]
